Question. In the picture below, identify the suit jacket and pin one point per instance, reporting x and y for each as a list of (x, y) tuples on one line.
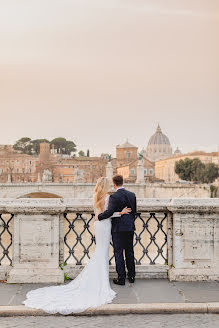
[(120, 199)]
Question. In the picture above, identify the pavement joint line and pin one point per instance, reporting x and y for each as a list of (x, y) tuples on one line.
[(116, 309), (13, 296), (180, 291), (135, 293)]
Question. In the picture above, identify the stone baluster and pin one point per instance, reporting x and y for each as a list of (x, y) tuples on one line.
[(36, 231), (195, 239)]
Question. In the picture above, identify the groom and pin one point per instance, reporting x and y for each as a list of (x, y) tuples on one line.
[(122, 230)]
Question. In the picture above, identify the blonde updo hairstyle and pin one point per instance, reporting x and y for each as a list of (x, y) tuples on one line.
[(100, 191)]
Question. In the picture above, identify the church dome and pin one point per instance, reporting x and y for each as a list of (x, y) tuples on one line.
[(177, 151), (159, 146), (158, 138)]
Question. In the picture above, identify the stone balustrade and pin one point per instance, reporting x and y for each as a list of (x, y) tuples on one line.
[(85, 190), (176, 238)]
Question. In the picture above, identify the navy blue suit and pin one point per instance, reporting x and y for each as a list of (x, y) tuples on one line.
[(122, 230)]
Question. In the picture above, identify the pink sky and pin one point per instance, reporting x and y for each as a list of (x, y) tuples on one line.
[(98, 72)]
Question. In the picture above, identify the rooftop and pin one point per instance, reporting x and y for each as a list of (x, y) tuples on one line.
[(126, 145), (158, 138)]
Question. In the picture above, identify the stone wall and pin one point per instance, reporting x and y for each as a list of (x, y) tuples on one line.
[(79, 191), (192, 228)]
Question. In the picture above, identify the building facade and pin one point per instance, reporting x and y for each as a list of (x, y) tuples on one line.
[(16, 167), (165, 169), (70, 169), (127, 160)]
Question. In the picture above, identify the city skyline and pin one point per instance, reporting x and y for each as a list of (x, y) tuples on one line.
[(78, 149), (98, 73)]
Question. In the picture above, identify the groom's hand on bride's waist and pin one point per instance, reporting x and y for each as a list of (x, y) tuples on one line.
[(125, 210)]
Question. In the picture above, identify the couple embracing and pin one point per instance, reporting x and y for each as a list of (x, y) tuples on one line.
[(91, 288)]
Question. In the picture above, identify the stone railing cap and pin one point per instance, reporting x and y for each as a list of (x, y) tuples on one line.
[(186, 205), (152, 204), (32, 205), (60, 205)]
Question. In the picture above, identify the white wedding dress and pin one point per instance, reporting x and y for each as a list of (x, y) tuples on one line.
[(91, 288)]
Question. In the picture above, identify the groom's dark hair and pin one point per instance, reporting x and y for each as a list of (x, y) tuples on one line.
[(118, 180)]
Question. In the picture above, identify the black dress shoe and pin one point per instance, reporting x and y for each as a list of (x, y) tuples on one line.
[(131, 279), (119, 282)]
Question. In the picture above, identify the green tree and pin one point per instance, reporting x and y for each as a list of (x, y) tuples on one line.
[(23, 145), (210, 173), (28, 146), (81, 153), (59, 144), (36, 145), (63, 146), (70, 147), (213, 190), (195, 170), (184, 169)]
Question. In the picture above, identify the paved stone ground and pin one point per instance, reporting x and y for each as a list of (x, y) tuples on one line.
[(143, 291), (123, 321)]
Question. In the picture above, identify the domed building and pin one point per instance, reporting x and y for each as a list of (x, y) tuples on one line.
[(159, 146), (177, 152)]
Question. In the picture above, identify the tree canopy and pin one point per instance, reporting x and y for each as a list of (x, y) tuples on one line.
[(196, 171), (28, 146), (81, 153), (63, 146)]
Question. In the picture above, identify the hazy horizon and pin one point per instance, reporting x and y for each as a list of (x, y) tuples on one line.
[(99, 72)]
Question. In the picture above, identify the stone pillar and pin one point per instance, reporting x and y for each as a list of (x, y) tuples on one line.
[(78, 175), (9, 178), (39, 178), (140, 171), (36, 243), (195, 239), (109, 171)]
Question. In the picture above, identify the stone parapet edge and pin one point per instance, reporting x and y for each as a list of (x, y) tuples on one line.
[(115, 309)]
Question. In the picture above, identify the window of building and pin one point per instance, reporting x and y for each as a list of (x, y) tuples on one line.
[(132, 171), (128, 154), (145, 171), (151, 171)]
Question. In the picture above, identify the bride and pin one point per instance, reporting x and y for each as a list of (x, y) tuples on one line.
[(91, 288)]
